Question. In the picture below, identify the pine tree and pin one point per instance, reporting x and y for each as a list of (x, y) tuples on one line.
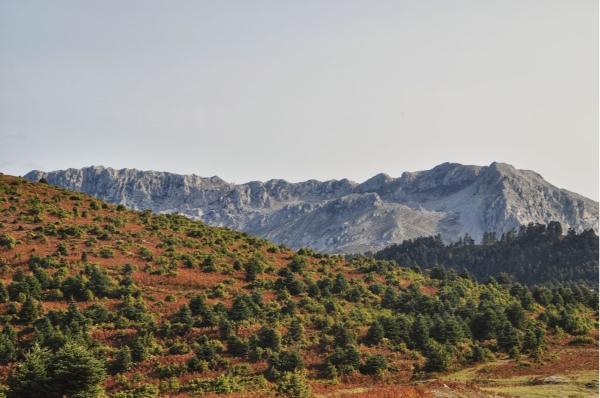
[(330, 372), (73, 371), (375, 364), (8, 351), (375, 334), (139, 351), (3, 293), (198, 305), (293, 385), (123, 360), (30, 378), (269, 338), (184, 316), (240, 310), (296, 330), (29, 311), (225, 329), (508, 338), (438, 357), (253, 268)]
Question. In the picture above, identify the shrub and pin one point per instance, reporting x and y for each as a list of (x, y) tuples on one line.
[(145, 254), (106, 252), (178, 348), (582, 340), (169, 370), (7, 241)]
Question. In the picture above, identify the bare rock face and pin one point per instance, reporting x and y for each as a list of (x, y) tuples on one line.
[(343, 216)]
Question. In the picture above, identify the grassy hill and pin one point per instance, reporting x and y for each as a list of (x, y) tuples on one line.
[(99, 300)]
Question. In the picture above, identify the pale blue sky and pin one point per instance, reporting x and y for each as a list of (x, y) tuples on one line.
[(253, 90)]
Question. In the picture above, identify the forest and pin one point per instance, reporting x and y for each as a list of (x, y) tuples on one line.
[(535, 254)]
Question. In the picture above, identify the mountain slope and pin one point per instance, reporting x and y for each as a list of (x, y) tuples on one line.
[(96, 298), (343, 216)]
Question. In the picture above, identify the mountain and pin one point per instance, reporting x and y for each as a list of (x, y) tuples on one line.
[(100, 301), (535, 254), (343, 216)]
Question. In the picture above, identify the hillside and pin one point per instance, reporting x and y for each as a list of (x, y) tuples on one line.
[(99, 299), (343, 216), (533, 255)]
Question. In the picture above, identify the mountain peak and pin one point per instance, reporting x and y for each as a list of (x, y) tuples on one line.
[(450, 199)]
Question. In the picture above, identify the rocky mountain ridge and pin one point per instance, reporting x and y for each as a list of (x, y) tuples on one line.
[(344, 216)]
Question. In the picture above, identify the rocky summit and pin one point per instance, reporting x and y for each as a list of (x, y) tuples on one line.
[(343, 216)]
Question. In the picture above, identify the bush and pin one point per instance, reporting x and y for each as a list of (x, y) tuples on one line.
[(106, 252), (178, 348), (7, 241), (582, 340), (170, 370)]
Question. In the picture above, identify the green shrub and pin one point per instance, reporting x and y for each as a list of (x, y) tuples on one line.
[(106, 252), (7, 241), (582, 340)]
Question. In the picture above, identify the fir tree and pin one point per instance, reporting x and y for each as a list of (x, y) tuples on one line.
[(29, 311), (123, 360)]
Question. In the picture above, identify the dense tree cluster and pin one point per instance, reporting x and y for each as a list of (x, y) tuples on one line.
[(535, 254)]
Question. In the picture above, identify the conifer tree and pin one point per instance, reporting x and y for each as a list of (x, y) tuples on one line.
[(375, 334), (123, 360), (29, 311)]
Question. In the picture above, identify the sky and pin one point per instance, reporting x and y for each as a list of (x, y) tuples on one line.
[(254, 90)]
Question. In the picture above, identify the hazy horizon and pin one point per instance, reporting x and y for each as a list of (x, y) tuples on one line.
[(278, 89)]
